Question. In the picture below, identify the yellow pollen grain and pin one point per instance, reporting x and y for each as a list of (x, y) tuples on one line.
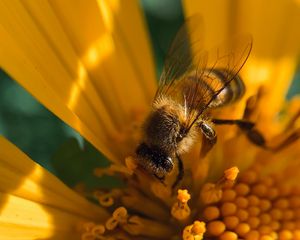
[(253, 211), (297, 213), (266, 237), (242, 215), (272, 193), (275, 225), (285, 235), (241, 202), (228, 195), (242, 189), (288, 215), (231, 222), (267, 181), (276, 214), (264, 205), (265, 218), (198, 228), (194, 231), (253, 222), (210, 193), (288, 225), (281, 203), (231, 173), (294, 202), (228, 208), (297, 234), (259, 190), (211, 213), (248, 177), (253, 200), (264, 230), (284, 190), (242, 229), (252, 235), (229, 236), (216, 228), (183, 195)]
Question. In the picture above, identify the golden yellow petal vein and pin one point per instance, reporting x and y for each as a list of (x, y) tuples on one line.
[(23, 178), (24, 219), (93, 76)]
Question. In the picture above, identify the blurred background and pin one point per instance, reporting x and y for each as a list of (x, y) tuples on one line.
[(50, 142)]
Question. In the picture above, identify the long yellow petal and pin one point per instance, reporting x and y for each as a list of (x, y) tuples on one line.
[(274, 27), (33, 200), (88, 62)]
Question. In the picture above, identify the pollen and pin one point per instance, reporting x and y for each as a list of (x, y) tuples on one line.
[(180, 209), (231, 173), (255, 207), (194, 231)]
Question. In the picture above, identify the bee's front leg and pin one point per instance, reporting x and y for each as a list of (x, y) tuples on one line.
[(209, 139)]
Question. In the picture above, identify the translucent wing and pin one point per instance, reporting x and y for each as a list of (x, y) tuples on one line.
[(189, 74)]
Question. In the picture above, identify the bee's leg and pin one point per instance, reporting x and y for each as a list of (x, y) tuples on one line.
[(180, 171), (209, 140), (246, 126)]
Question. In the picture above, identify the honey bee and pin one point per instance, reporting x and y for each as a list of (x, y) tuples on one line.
[(193, 83)]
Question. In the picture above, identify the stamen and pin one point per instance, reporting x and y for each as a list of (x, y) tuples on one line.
[(145, 227), (231, 173), (162, 192), (119, 216), (210, 193), (98, 230), (91, 231), (104, 199), (131, 164), (194, 231), (180, 209), (136, 201)]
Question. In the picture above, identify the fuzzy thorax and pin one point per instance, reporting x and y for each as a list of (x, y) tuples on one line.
[(167, 127)]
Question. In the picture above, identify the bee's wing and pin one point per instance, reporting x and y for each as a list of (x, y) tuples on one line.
[(179, 59), (188, 75), (228, 58)]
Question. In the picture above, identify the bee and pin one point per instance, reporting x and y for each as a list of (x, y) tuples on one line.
[(193, 83)]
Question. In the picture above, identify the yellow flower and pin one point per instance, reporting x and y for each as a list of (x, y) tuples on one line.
[(90, 63)]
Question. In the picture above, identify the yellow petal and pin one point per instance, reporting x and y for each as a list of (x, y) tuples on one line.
[(274, 27), (88, 62), (35, 202)]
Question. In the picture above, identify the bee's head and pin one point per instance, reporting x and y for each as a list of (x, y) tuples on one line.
[(154, 160)]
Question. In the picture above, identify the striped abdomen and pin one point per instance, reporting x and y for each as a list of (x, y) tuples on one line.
[(231, 92)]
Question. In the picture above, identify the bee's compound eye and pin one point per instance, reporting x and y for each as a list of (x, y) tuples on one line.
[(154, 159), (168, 164)]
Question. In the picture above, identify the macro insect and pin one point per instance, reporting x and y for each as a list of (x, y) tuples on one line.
[(193, 83)]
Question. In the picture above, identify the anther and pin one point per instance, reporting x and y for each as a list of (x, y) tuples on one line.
[(194, 231), (180, 209)]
